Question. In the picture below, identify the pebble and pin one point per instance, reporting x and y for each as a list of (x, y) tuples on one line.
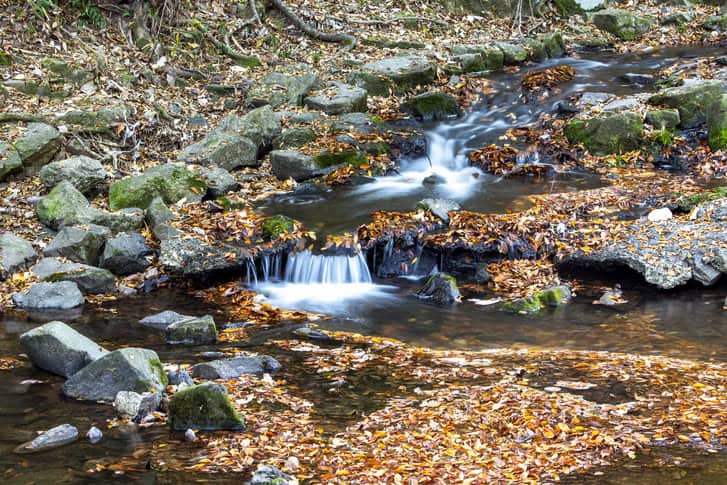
[(94, 435), (189, 435), (660, 215)]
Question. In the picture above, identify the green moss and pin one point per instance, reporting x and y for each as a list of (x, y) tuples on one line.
[(686, 203), (170, 182), (206, 406), (197, 331), (5, 58), (351, 157), (610, 134), (275, 226), (248, 61), (451, 279), (158, 369), (432, 106), (550, 297)]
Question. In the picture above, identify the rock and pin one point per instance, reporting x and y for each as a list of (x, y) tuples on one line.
[(226, 150), (180, 378), (128, 369), (63, 206), (622, 23), (275, 226), (612, 297), (15, 254), (84, 173), (10, 160), (219, 181), (439, 207), (554, 44), (717, 124), (491, 55), (549, 297), (125, 254), (570, 7), (338, 98), (292, 164), (50, 296), (124, 220), (195, 259), (192, 331), (432, 106), (261, 125), (190, 435), (660, 215), (94, 435), (608, 134), (161, 321), (206, 407), (512, 54), (170, 182), (53, 438), (466, 63), (441, 289), (89, 279), (278, 89), (717, 23), (57, 348), (637, 79), (663, 119), (269, 475), (434, 179), (158, 213), (309, 333), (619, 105), (295, 137), (481, 274), (399, 74), (679, 18), (693, 100), (81, 244), (235, 367), (38, 146), (135, 407)]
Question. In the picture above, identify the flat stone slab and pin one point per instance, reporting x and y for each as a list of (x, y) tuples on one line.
[(235, 367), (53, 438)]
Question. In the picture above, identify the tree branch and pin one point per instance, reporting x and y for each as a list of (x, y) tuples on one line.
[(312, 31)]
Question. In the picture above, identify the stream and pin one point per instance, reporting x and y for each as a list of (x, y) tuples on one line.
[(688, 323)]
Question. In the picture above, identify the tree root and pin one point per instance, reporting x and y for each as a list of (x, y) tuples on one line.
[(311, 31)]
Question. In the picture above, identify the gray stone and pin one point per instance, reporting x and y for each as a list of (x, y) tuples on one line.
[(57, 348), (53, 438), (554, 296), (441, 289), (513, 54), (50, 296), (219, 181), (206, 406), (663, 119), (84, 173), (94, 435), (89, 279), (432, 106), (439, 207), (693, 100), (15, 254), (128, 369), (338, 98), (608, 133), (38, 145), (125, 254), (269, 475), (619, 105), (161, 321), (235, 367), (399, 74), (278, 89), (10, 160), (261, 125), (124, 220), (226, 150), (81, 244), (158, 213), (135, 407), (295, 137), (622, 23), (194, 258), (193, 331), (180, 378), (171, 182), (292, 164)]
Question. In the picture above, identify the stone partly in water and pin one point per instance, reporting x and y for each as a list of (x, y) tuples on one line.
[(195, 259), (128, 369), (693, 100), (608, 134), (338, 98), (622, 23), (125, 254), (15, 254), (192, 331), (441, 289), (134, 406), (170, 182), (84, 173), (550, 297), (161, 321), (205, 406), (439, 207), (432, 106), (53, 438), (235, 367), (293, 164), (81, 244), (88, 278), (63, 295), (269, 475), (57, 348)]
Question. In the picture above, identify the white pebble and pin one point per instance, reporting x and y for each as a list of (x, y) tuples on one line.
[(189, 435), (659, 215), (94, 435)]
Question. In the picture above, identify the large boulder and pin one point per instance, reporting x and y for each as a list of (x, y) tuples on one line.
[(63, 295), (550, 297), (338, 98), (622, 23), (513, 54), (10, 160), (84, 173), (125, 254), (432, 106), (278, 89), (398, 74), (192, 331), (293, 164), (15, 254), (63, 206), (38, 145), (609, 133), (81, 244), (89, 279), (59, 349), (194, 258), (693, 100), (441, 289), (235, 367), (205, 406), (169, 181), (129, 369)]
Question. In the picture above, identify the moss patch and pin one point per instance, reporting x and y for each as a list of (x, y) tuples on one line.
[(275, 226), (349, 157), (550, 297), (158, 369), (206, 407)]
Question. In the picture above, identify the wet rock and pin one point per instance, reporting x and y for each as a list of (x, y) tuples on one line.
[(638, 79), (206, 407), (399, 74), (622, 23), (161, 321), (57, 348), (269, 475), (279, 88), (554, 44), (292, 164), (38, 145), (338, 98), (128, 369), (295, 137), (439, 207), (94, 435), (10, 160), (180, 378), (309, 333), (550, 297), (692, 100), (88, 278), (663, 119), (169, 181), (434, 179), (84, 173), (431, 106), (53, 438), (440, 289), (608, 134), (481, 274), (611, 297), (195, 259), (219, 181), (134, 406), (235, 367), (512, 54), (125, 254), (15, 254), (81, 244), (50, 296), (717, 124), (192, 331)]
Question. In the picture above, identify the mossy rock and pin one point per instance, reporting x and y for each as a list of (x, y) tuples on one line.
[(554, 44), (717, 124), (692, 100), (346, 157), (622, 23), (275, 226), (513, 54), (63, 206), (10, 160), (550, 297), (432, 106), (441, 289), (205, 406), (170, 182), (663, 119), (295, 137), (610, 134), (192, 331), (5, 59), (248, 61), (686, 203)]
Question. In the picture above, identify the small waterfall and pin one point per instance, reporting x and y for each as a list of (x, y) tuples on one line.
[(306, 267), (251, 271), (272, 267)]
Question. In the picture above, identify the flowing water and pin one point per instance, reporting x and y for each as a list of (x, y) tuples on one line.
[(688, 323)]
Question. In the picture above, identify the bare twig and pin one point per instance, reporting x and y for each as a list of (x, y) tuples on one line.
[(312, 31)]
